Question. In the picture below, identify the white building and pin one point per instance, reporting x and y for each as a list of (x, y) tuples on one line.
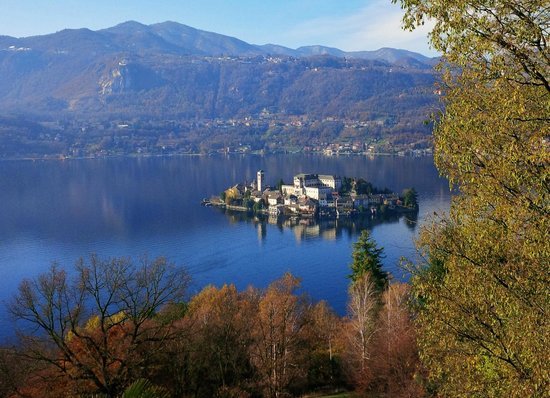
[(314, 186), (306, 180), (288, 190), (331, 181), (274, 198), (318, 193)]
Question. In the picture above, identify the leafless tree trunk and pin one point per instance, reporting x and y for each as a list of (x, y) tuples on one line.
[(362, 306)]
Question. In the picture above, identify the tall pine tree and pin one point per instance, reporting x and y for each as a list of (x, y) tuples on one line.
[(367, 258)]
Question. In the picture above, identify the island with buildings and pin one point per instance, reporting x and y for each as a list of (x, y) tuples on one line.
[(314, 195)]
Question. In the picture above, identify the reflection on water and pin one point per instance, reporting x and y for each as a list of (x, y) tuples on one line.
[(87, 199), (319, 228)]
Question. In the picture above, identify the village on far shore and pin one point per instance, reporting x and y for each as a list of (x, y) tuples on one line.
[(314, 195)]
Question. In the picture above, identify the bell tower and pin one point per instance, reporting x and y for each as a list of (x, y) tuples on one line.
[(260, 180)]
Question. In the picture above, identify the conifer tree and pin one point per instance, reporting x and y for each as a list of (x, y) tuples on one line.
[(367, 258)]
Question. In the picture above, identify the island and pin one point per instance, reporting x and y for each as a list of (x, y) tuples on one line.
[(314, 196)]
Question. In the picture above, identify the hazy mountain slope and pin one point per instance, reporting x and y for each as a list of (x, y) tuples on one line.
[(170, 71), (201, 42)]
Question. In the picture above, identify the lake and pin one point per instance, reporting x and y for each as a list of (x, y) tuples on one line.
[(63, 210)]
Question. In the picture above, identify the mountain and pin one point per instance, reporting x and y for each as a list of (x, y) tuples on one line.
[(201, 42), (147, 77)]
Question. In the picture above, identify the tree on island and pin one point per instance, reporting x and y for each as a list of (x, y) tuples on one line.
[(483, 292), (410, 198), (363, 187), (280, 184), (347, 185), (259, 205)]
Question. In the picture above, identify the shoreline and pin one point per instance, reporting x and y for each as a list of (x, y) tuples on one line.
[(135, 156)]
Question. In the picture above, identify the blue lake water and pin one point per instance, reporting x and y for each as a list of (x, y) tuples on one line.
[(62, 210)]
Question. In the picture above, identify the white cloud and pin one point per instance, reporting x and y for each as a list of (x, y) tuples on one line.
[(374, 26)]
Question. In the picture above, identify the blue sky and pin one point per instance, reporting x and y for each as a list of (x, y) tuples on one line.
[(350, 25)]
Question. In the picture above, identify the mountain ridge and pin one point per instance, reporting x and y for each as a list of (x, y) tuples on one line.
[(243, 48)]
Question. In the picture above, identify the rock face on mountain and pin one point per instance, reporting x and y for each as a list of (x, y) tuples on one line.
[(168, 71)]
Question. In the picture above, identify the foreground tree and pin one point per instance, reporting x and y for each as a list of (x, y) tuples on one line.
[(143, 388), (483, 292), (94, 329), (278, 347), (394, 368), (16, 372), (325, 347), (363, 308), (219, 342), (367, 259)]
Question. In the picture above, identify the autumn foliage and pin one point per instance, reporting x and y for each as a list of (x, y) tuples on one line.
[(114, 326), (483, 289)]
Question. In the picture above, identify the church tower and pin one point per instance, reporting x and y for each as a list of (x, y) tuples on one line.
[(260, 180)]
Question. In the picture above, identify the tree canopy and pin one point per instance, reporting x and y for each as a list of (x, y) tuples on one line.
[(483, 293), (272, 342)]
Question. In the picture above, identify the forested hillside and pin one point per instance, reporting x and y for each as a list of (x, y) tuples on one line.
[(171, 88)]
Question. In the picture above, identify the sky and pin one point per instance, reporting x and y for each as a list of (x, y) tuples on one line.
[(350, 25)]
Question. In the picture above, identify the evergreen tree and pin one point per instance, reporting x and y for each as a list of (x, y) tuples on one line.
[(143, 388), (280, 183), (410, 198), (367, 258)]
